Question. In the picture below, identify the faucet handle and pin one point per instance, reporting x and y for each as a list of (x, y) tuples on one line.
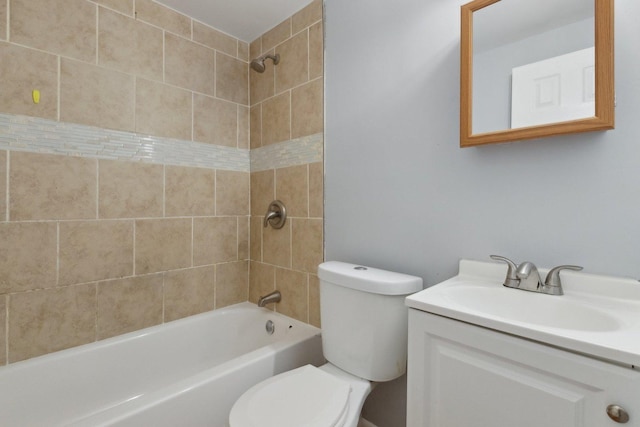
[(510, 280), (553, 277)]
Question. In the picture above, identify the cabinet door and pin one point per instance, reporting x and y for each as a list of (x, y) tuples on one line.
[(460, 375)]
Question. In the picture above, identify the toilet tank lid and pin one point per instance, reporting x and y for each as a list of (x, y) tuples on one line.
[(368, 279)]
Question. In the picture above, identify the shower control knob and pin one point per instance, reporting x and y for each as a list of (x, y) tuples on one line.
[(618, 414)]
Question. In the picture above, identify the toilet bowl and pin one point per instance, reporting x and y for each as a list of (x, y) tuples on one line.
[(364, 338)]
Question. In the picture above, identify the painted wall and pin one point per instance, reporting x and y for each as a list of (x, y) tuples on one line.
[(400, 193)]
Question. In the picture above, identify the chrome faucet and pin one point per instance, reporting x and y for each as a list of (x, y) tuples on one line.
[(526, 277), (273, 297)]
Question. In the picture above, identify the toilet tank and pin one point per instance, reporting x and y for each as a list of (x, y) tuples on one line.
[(364, 319)]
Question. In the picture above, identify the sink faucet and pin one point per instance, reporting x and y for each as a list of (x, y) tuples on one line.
[(274, 296), (529, 277), (526, 277)]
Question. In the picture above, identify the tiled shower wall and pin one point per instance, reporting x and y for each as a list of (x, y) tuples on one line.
[(98, 243), (287, 110), (107, 231)]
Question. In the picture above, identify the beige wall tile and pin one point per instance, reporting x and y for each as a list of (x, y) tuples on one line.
[(21, 71), (276, 245), (129, 190), (256, 227), (189, 191), (65, 27), (295, 293), (122, 6), (188, 65), (46, 186), (163, 110), (307, 244), (95, 250), (316, 190), (3, 330), (215, 121), (3, 19), (293, 69), (262, 280), (232, 79), (262, 85), (232, 193), (255, 48), (243, 127), (127, 305), (307, 109), (188, 292), (276, 119), (276, 35), (243, 50), (96, 96), (314, 300), (263, 191), (129, 45), (163, 17), (49, 320), (243, 237), (162, 244), (215, 240), (255, 126), (306, 16), (4, 158), (316, 51), (214, 39), (232, 283), (292, 189), (28, 256)]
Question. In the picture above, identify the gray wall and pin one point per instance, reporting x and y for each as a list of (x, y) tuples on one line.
[(401, 194)]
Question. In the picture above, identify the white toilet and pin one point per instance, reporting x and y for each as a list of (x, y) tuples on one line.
[(364, 339)]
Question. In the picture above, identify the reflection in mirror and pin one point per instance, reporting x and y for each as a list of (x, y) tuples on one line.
[(510, 35), (533, 68)]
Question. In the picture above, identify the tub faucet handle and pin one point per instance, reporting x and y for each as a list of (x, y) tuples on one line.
[(276, 214)]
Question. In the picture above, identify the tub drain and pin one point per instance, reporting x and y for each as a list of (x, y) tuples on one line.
[(270, 327)]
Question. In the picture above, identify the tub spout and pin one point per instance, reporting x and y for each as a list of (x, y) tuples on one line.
[(274, 296)]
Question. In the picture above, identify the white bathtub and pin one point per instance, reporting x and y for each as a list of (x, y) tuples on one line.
[(184, 373)]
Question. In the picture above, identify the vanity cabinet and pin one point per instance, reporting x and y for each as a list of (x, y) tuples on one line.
[(462, 375)]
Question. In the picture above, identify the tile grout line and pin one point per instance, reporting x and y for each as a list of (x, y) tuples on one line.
[(97, 33), (7, 197), (8, 22)]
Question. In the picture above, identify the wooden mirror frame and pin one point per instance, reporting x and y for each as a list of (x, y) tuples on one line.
[(604, 83)]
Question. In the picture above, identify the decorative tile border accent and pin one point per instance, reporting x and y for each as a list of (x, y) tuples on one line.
[(23, 133), (307, 149), (36, 135)]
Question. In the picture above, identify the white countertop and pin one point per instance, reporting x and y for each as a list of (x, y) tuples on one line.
[(598, 315)]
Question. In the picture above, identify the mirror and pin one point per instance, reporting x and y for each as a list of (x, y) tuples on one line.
[(535, 68)]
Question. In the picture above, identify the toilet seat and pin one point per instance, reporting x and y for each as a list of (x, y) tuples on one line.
[(305, 396)]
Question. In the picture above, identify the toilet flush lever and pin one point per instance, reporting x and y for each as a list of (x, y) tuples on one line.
[(276, 214)]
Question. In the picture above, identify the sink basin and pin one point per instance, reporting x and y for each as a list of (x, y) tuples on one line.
[(597, 315), (528, 307)]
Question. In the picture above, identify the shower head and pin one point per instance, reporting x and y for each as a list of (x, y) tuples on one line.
[(258, 63)]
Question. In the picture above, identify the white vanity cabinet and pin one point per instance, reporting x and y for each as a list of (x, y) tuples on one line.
[(462, 375)]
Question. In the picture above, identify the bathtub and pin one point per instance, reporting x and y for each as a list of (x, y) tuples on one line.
[(188, 372)]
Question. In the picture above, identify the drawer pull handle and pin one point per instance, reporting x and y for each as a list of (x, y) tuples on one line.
[(617, 414)]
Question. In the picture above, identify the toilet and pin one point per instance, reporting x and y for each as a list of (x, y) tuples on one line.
[(364, 339)]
